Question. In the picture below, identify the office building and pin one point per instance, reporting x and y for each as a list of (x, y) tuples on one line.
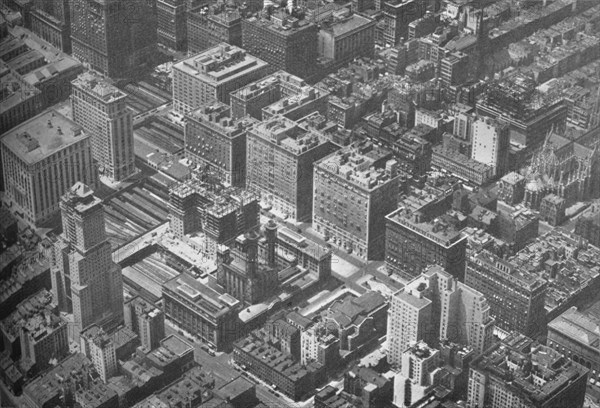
[(413, 241), (171, 17), (215, 140), (283, 41), (145, 320), (516, 297), (279, 159), (202, 308), (100, 349), (85, 280), (41, 159), (552, 209), (346, 36), (211, 75), (51, 21), (490, 141), (521, 373), (116, 38), (100, 109), (353, 190), (436, 307), (207, 28)]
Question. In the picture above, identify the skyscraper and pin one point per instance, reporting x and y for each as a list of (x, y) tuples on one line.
[(171, 21), (85, 280), (434, 307), (491, 140), (101, 110), (114, 37)]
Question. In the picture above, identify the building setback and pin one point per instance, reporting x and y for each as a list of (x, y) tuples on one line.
[(100, 109), (211, 75)]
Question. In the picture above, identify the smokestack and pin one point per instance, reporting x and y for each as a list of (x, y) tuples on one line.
[(252, 253)]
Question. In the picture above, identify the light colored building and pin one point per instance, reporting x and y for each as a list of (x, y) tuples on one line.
[(100, 109), (85, 280), (41, 159), (417, 378), (436, 306), (100, 349), (280, 157), (490, 144), (146, 320), (44, 339), (318, 344), (354, 188), (211, 75)]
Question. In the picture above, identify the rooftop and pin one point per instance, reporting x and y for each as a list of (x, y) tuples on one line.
[(42, 136), (98, 86), (33, 308), (223, 62), (286, 134), (437, 230), (14, 90)]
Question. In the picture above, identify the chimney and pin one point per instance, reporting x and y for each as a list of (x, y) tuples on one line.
[(271, 235), (251, 250)]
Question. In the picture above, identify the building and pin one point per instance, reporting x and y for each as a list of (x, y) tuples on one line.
[(436, 307), (279, 93), (490, 144), (51, 21), (373, 388), (520, 373), (279, 158), (171, 17), (146, 320), (215, 140), (41, 159), (418, 376), (575, 334), (113, 37), (19, 100), (552, 209), (292, 43), (85, 280), (100, 349), (211, 75), (454, 69), (209, 28), (511, 188), (588, 225), (202, 308), (101, 110), (413, 241), (319, 344), (221, 213), (461, 165), (517, 226), (397, 15), (516, 297), (353, 190), (346, 36)]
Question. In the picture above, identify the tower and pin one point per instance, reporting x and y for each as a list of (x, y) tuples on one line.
[(271, 235), (85, 280)]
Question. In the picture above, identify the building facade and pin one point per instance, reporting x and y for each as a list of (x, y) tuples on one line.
[(490, 144), (209, 28), (146, 320), (51, 21), (41, 159), (353, 190), (113, 37), (85, 280), (101, 110), (171, 16), (211, 75)]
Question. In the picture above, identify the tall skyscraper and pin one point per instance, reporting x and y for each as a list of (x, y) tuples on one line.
[(101, 110), (434, 307), (85, 280), (114, 37)]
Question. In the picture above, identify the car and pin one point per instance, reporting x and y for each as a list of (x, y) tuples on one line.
[(211, 353)]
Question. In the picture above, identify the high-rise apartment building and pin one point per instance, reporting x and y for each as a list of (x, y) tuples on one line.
[(413, 241), (100, 349), (211, 75), (279, 158), (417, 377), (490, 143), (435, 307), (171, 16), (353, 190), (114, 37), (100, 109), (146, 320), (282, 41), (51, 21), (521, 373), (85, 280), (215, 140), (209, 28), (41, 159), (516, 297)]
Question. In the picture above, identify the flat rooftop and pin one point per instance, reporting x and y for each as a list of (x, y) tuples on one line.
[(98, 86), (42, 136), (221, 63), (286, 134), (437, 230)]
